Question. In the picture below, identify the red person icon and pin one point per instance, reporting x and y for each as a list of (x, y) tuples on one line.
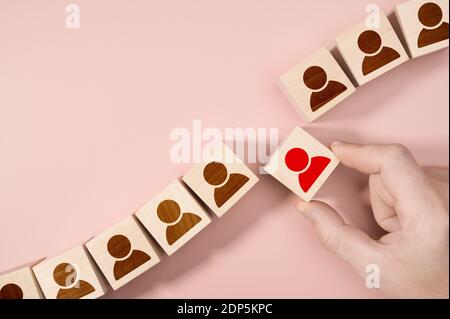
[(309, 169)]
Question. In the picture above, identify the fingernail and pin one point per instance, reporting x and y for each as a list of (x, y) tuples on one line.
[(336, 143)]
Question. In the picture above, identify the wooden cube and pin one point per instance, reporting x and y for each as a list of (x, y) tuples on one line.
[(424, 25), (71, 275), (123, 252), (302, 164), (316, 85), (173, 217), (371, 52), (221, 180), (19, 283)]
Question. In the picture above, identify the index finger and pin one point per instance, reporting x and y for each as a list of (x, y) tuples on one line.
[(400, 173)]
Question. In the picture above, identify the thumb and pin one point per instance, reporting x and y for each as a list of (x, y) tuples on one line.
[(345, 241)]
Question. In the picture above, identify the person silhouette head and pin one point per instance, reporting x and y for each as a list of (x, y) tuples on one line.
[(430, 15), (369, 42), (119, 246), (215, 173), (297, 160), (11, 291), (169, 211), (315, 78), (65, 275)]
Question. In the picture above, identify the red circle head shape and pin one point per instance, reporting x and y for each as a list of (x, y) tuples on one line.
[(296, 159)]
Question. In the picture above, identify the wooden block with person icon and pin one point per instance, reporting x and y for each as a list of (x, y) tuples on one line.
[(370, 51), (424, 25), (123, 252), (316, 85), (302, 164), (71, 275), (19, 283), (221, 180), (173, 217)]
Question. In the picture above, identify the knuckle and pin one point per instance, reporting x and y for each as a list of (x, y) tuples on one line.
[(329, 241), (397, 151)]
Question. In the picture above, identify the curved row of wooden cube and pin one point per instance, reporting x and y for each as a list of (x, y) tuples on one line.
[(174, 216)]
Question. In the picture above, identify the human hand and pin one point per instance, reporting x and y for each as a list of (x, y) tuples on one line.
[(411, 203)]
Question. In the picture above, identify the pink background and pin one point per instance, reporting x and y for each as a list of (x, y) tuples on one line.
[(85, 117)]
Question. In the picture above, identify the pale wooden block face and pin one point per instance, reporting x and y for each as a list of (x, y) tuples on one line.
[(302, 164), (173, 217), (221, 180), (123, 252), (19, 284), (316, 85), (370, 53), (71, 275), (424, 24)]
